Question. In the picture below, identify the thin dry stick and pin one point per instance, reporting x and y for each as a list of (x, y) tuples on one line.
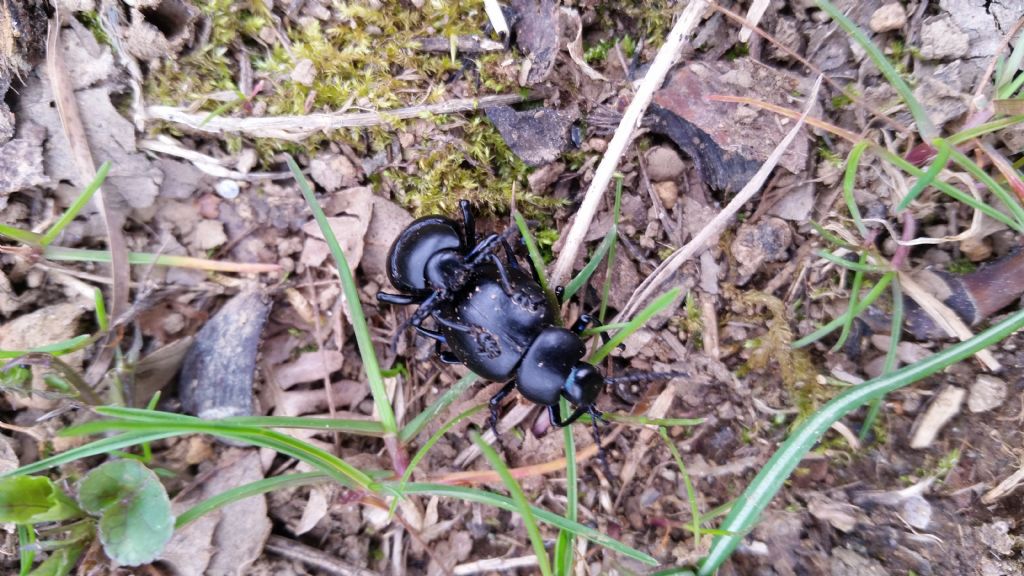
[(699, 242), (663, 61), (297, 128), (74, 130)]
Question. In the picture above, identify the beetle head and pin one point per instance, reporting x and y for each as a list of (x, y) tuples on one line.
[(583, 385)]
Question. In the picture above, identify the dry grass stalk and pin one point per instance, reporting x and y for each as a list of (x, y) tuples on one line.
[(663, 61), (297, 128)]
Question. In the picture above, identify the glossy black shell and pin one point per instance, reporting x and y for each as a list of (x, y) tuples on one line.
[(489, 330), (547, 364), (408, 257)]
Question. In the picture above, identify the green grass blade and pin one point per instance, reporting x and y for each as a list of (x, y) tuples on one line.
[(72, 212), (101, 310), (57, 348), (986, 128), (849, 317), (17, 234), (103, 446), (855, 266), (938, 163), (850, 182), (519, 498), (769, 480), (610, 266), (566, 542), (1010, 67), (422, 452), (538, 263), (862, 305), (691, 494), (246, 491), (659, 304), (577, 283), (832, 238), (410, 430), (646, 421), (349, 426), (951, 191), (1004, 196), (26, 537), (355, 309), (338, 469), (895, 331), (925, 126), (505, 503)]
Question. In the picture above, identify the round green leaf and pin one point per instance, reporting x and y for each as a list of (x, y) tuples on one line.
[(32, 499), (135, 513)]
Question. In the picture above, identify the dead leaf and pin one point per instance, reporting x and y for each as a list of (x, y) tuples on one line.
[(132, 176), (44, 326), (229, 540), (388, 221), (728, 141), (354, 209), (537, 34), (308, 367), (575, 46)]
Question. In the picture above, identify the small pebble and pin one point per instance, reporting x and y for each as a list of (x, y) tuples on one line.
[(668, 192), (664, 163), (227, 189), (987, 393), (942, 40), (889, 17), (941, 410)]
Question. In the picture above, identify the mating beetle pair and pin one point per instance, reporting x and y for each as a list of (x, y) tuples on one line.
[(493, 317)]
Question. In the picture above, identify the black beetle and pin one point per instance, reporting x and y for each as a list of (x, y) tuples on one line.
[(494, 317)]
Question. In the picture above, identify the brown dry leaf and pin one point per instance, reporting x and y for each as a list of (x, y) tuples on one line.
[(44, 326), (537, 35), (575, 46), (8, 458), (238, 530), (388, 221), (353, 209), (308, 367), (315, 510), (727, 141)]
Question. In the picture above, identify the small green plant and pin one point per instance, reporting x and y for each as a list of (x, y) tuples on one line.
[(122, 502)]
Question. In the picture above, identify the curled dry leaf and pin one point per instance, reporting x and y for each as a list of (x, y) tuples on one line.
[(575, 46), (349, 217)]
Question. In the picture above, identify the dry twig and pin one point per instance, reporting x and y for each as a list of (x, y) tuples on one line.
[(623, 136)]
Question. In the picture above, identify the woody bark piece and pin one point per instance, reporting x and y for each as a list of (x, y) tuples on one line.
[(728, 142), (217, 375)]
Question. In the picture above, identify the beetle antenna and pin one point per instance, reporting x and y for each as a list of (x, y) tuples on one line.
[(644, 377)]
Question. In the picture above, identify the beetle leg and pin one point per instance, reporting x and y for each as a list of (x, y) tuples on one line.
[(595, 415), (509, 255), (556, 417), (495, 401), (446, 356), (581, 324), (452, 324), (468, 222), (506, 285), (399, 299)]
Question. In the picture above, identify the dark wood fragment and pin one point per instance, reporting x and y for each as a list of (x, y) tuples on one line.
[(217, 376)]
